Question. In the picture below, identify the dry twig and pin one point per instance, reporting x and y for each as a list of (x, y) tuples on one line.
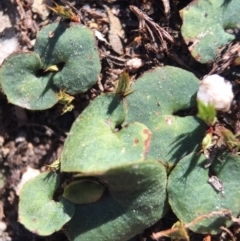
[(21, 10), (225, 58), (221, 213), (228, 232), (153, 29)]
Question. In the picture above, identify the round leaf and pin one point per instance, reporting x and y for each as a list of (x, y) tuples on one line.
[(22, 85), (83, 191), (191, 195), (73, 46)]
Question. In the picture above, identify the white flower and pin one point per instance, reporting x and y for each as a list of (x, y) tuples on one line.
[(215, 90)]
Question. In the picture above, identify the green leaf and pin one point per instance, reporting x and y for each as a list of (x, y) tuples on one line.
[(22, 85), (94, 145), (74, 47), (38, 212), (99, 146), (25, 77), (204, 26), (207, 113), (191, 195), (83, 191), (135, 200), (123, 86), (158, 95)]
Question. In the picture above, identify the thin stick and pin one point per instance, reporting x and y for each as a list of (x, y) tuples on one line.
[(223, 212)]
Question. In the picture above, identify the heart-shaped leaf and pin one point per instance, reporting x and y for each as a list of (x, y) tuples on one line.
[(69, 61), (22, 85), (191, 194), (95, 145), (204, 26), (158, 95), (75, 48), (38, 212)]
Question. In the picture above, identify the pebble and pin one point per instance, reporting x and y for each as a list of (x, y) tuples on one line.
[(3, 227), (20, 139), (9, 42), (1, 140), (5, 151), (39, 7)]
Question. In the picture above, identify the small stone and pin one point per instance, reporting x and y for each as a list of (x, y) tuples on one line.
[(33, 42), (36, 140), (7, 47), (1, 140), (216, 183), (24, 159), (30, 145), (39, 7), (3, 227), (20, 139), (30, 152), (134, 64), (8, 42), (5, 151)]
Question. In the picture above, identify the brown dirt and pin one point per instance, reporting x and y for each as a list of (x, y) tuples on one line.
[(29, 138)]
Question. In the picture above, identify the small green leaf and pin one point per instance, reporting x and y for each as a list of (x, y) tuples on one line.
[(181, 234), (207, 113), (64, 12), (54, 166), (52, 68), (229, 138), (207, 141), (66, 100), (123, 86), (83, 191)]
